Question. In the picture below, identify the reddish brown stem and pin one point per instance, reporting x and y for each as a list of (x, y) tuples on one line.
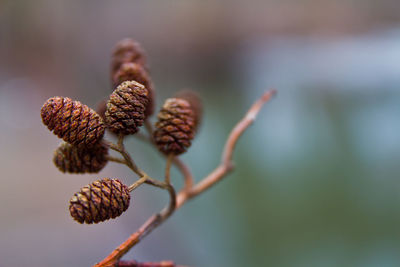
[(187, 174), (133, 263), (183, 168), (226, 164), (214, 177)]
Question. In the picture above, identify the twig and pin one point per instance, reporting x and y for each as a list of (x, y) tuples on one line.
[(182, 167), (115, 159), (138, 183), (214, 177), (143, 231), (119, 147), (170, 159), (133, 263), (226, 164), (186, 173)]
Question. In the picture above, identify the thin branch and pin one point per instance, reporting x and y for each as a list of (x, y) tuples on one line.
[(186, 173), (134, 263), (176, 202), (115, 159), (143, 231), (138, 183), (120, 148), (226, 161), (112, 146), (128, 161), (170, 159), (182, 167)]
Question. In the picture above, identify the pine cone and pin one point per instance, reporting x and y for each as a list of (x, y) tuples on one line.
[(135, 72), (195, 102), (99, 201), (72, 121), (175, 127), (126, 50), (72, 159), (126, 108)]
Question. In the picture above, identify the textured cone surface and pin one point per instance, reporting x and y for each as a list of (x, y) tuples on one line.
[(72, 121), (99, 201), (135, 72), (126, 108), (195, 103), (72, 159), (126, 51), (175, 127)]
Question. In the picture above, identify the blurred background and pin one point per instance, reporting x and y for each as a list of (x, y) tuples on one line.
[(317, 176)]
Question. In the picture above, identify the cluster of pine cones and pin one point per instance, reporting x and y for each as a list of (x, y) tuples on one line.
[(129, 105)]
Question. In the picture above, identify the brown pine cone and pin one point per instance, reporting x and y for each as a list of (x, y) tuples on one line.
[(195, 102), (126, 50), (72, 121), (99, 201), (126, 108), (135, 72), (72, 159), (175, 127)]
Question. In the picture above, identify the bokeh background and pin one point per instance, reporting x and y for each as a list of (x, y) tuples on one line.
[(317, 176)]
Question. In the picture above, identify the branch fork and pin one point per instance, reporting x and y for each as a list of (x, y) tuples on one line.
[(189, 190)]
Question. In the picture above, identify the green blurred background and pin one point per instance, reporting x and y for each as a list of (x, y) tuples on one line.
[(317, 176)]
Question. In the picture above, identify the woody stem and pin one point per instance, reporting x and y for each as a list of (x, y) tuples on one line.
[(177, 201), (137, 183), (170, 158), (182, 167)]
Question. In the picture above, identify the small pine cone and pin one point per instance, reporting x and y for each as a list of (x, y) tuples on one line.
[(195, 102), (72, 121), (99, 201), (126, 50), (135, 72), (72, 159), (175, 127), (126, 108)]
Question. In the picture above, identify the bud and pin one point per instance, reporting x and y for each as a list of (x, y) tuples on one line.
[(72, 159), (126, 108), (72, 121), (99, 201), (135, 72), (175, 127), (126, 50)]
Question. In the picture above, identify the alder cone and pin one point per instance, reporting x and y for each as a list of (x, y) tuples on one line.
[(195, 103), (126, 50), (72, 159), (126, 108), (99, 201), (175, 127), (72, 121), (135, 72)]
